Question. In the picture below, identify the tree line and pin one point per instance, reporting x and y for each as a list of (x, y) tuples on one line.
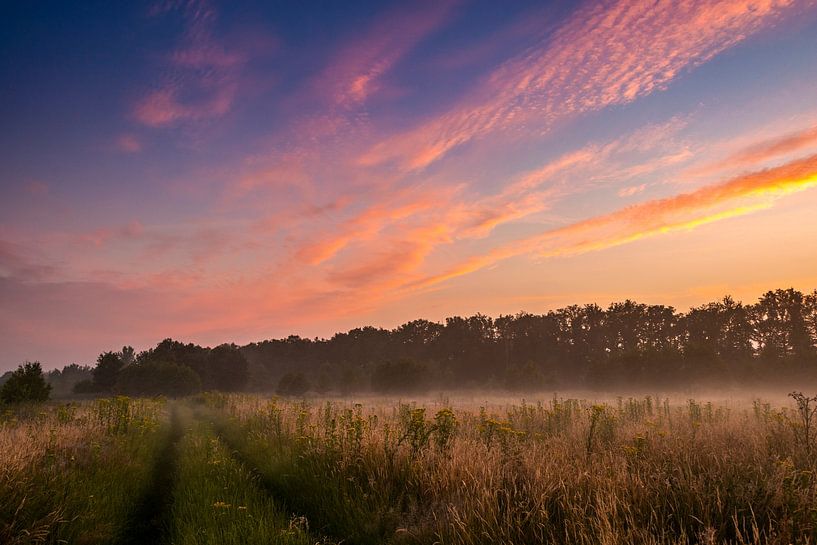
[(626, 344)]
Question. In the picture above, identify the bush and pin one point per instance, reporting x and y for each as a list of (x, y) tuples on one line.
[(25, 384), (400, 376), (85, 387), (154, 378), (293, 384), (526, 378)]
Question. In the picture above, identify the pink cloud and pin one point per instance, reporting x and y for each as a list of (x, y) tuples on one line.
[(128, 143), (371, 221), (206, 75), (631, 190), (102, 236), (37, 188), (16, 262), (764, 150), (165, 107), (604, 55), (356, 71)]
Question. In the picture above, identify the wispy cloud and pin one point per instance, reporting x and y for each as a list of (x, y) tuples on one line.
[(203, 75), (356, 72), (605, 54), (128, 143), (371, 221), (735, 197), (629, 191), (764, 150), (426, 217), (16, 264)]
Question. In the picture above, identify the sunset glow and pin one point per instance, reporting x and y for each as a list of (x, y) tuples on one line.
[(221, 173)]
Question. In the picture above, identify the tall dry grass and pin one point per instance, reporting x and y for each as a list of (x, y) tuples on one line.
[(556, 471), (70, 473)]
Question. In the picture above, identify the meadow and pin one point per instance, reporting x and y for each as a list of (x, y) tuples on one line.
[(231, 468)]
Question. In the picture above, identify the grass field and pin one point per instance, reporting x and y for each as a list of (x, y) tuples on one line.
[(251, 469)]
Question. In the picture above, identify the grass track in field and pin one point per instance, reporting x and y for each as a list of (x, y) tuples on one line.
[(148, 522), (307, 488), (218, 501)]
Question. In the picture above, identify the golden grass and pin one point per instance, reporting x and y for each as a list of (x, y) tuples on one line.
[(558, 471)]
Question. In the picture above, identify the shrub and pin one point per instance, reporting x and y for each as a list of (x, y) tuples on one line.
[(25, 384), (153, 378), (85, 387), (293, 384), (400, 376)]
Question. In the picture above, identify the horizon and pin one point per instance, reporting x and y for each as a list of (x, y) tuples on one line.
[(92, 360), (215, 172)]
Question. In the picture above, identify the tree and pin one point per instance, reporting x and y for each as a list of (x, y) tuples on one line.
[(400, 376), (170, 351), (63, 382), (780, 320), (127, 355), (715, 335), (154, 378), (106, 372), (226, 369), (525, 378), (25, 384)]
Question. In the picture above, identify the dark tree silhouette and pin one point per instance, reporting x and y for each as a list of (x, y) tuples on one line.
[(153, 378), (780, 321), (628, 344), (293, 384), (106, 372), (26, 384), (64, 381), (226, 369), (400, 376)]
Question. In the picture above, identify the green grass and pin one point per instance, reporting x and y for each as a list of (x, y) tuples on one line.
[(216, 500), (359, 497)]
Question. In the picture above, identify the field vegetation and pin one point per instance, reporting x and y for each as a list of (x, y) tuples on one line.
[(71, 473), (237, 468)]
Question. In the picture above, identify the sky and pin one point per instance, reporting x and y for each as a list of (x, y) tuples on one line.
[(239, 171)]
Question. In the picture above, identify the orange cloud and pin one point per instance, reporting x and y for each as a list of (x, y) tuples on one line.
[(371, 221), (741, 195), (604, 55), (767, 149), (444, 216)]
